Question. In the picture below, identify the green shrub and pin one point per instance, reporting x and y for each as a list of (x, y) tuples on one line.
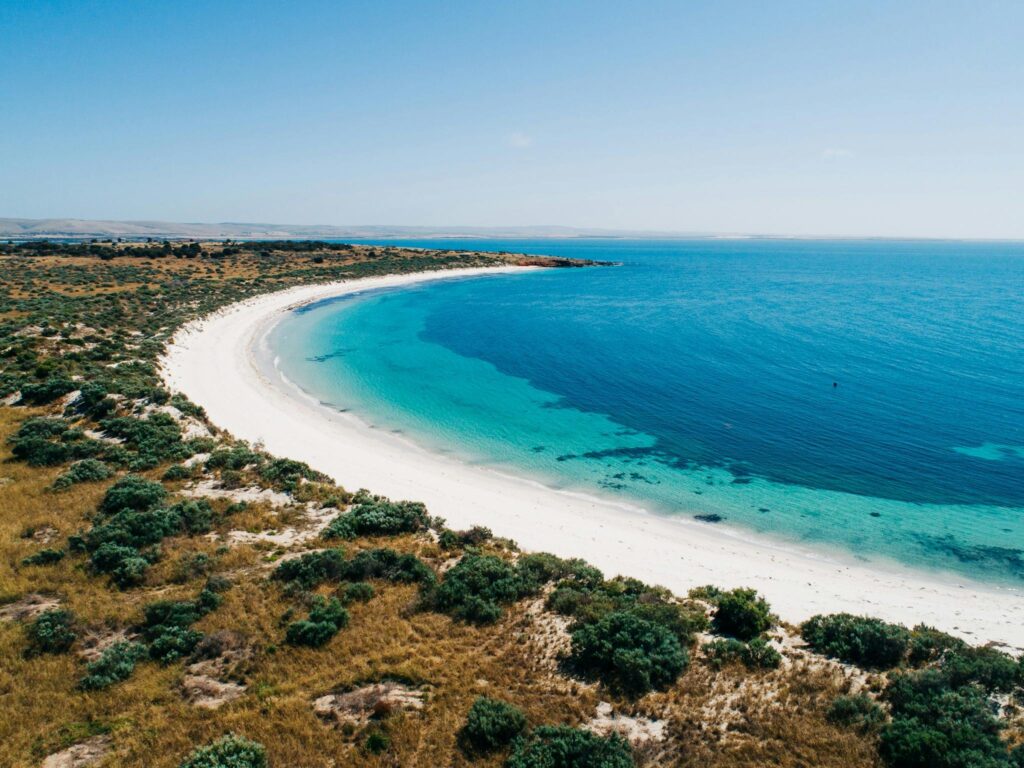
[(928, 644), (741, 614), (47, 391), (173, 643), (160, 615), (51, 632), (935, 726), (196, 515), (312, 568), (153, 440), (377, 743), (389, 565), (859, 711), (177, 472), (360, 592), (994, 671), (285, 474), (474, 537), (564, 747), (724, 651), (490, 725), (116, 664), (760, 655), (627, 654), (132, 492), (229, 751), (326, 618), (858, 640), (47, 442), (84, 471), (44, 557), (757, 654), (379, 517), (475, 589)]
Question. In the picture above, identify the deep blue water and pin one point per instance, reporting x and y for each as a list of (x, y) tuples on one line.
[(865, 395)]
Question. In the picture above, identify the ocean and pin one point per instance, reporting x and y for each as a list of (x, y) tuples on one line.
[(865, 397)]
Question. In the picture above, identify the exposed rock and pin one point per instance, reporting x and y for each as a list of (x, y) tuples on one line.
[(44, 534), (317, 519), (216, 658), (96, 640), (81, 754), (28, 607), (636, 730), (208, 692), (252, 494), (357, 707)]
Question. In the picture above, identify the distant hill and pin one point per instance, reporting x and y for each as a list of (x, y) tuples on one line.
[(21, 229)]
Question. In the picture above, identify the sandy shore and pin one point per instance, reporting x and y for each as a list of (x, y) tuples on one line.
[(216, 361)]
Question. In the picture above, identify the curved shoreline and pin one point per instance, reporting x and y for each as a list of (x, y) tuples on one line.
[(214, 361)]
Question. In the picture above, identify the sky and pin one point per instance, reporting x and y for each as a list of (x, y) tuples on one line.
[(812, 118)]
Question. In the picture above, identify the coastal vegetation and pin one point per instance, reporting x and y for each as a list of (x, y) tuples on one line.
[(175, 597)]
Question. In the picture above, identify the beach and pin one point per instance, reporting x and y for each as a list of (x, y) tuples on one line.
[(221, 363)]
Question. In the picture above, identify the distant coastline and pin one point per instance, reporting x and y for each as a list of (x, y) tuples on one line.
[(23, 229)]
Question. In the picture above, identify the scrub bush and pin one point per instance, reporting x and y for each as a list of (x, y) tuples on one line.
[(44, 557), (858, 711), (476, 588), (379, 517), (741, 614), (490, 725), (84, 471), (229, 751), (858, 640), (312, 568), (51, 632), (560, 746), (389, 565), (132, 492), (116, 664), (326, 618), (627, 654), (935, 726)]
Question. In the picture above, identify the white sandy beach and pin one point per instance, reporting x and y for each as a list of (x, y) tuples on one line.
[(213, 361)]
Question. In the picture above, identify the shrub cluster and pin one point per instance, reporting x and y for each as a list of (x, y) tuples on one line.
[(564, 747), (116, 664), (859, 711), (627, 653), (44, 557), (474, 537), (477, 587), (229, 751), (756, 654), (123, 539), (866, 642), (83, 471), (491, 725), (167, 625), (315, 568), (740, 613), (326, 619), (47, 442), (51, 632), (377, 516)]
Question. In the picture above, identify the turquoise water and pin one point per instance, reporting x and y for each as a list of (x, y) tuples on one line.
[(860, 395)]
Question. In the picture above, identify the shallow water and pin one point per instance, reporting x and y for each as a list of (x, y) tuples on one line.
[(865, 395)]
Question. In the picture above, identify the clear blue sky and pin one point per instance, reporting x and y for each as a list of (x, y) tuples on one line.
[(817, 117)]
